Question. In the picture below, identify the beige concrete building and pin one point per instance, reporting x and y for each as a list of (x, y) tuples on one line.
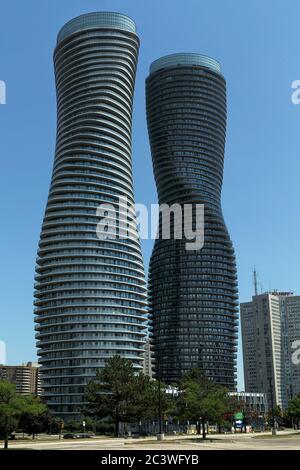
[(25, 377), (264, 368)]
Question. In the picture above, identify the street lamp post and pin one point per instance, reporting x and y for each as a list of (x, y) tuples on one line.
[(274, 432), (61, 425)]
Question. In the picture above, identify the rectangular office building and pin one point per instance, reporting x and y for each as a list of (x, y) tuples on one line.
[(264, 369)]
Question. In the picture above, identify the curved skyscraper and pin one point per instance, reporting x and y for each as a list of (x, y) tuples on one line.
[(192, 293), (90, 293)]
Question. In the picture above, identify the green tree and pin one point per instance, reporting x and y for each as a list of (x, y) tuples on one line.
[(144, 400), (118, 393), (109, 395), (35, 422), (278, 416), (55, 425), (293, 410), (73, 426), (167, 401), (9, 410), (141, 400), (232, 405), (202, 400), (12, 406)]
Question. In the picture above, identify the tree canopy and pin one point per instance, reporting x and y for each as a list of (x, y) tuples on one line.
[(120, 394), (293, 410), (13, 405), (202, 400)]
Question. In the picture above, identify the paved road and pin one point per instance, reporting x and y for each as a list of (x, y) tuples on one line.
[(217, 442)]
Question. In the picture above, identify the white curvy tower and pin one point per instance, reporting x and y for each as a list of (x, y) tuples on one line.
[(90, 294)]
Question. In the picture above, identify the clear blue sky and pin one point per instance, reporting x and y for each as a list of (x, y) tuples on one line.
[(257, 44)]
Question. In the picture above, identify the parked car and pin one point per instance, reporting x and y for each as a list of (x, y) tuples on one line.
[(79, 435)]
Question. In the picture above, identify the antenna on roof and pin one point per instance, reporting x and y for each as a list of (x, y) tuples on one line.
[(255, 283)]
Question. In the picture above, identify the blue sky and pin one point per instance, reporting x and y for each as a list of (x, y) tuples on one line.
[(257, 44)]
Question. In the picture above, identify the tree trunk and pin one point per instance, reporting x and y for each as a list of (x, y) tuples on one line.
[(117, 428), (5, 433), (203, 429)]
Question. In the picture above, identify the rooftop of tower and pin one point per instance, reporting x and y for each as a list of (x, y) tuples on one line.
[(185, 58), (104, 19)]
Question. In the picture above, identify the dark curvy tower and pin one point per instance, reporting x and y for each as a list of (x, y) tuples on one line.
[(192, 294), (90, 293)]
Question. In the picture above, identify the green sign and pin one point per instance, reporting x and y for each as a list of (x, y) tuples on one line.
[(239, 415)]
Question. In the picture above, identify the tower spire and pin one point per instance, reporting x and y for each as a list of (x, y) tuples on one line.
[(255, 283)]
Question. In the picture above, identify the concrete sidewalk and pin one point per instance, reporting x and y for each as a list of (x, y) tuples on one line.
[(285, 440)]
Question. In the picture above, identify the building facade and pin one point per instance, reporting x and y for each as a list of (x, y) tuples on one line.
[(26, 378), (147, 369), (192, 293), (90, 294), (290, 314), (256, 402), (263, 348)]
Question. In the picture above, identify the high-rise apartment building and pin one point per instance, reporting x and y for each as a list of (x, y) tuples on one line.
[(290, 315), (192, 293), (90, 292), (26, 378), (147, 369), (264, 350)]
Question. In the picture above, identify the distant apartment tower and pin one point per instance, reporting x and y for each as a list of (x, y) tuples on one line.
[(26, 378), (192, 294), (290, 315), (147, 369), (90, 293), (264, 367)]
